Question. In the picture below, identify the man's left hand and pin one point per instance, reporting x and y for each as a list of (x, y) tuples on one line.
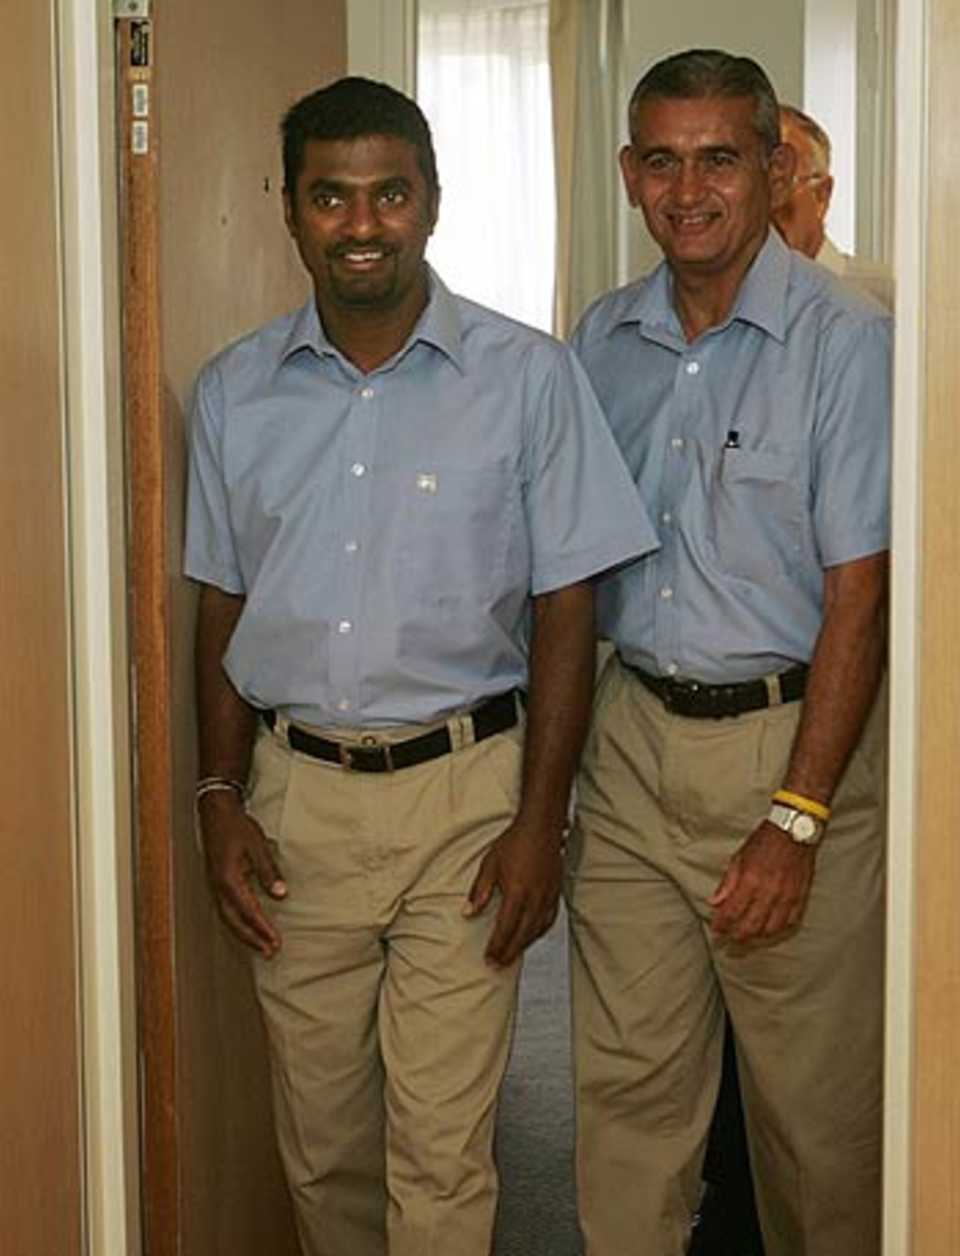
[(527, 868), (765, 889)]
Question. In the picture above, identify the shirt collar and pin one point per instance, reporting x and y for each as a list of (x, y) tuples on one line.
[(439, 325), (305, 332), (762, 298)]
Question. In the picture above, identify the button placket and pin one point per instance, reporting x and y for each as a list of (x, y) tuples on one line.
[(678, 466), (359, 461)]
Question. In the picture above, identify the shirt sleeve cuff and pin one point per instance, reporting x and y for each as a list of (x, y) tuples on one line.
[(591, 562)]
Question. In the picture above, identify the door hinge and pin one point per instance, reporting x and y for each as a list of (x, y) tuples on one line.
[(131, 8)]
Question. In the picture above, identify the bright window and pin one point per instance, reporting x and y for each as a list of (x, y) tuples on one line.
[(484, 83)]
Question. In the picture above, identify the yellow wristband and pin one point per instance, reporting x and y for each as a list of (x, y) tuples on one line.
[(801, 803)]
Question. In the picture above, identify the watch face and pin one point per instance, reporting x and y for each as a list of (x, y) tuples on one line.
[(804, 828)]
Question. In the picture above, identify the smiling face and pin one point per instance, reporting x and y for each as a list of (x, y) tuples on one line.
[(700, 172), (361, 215)]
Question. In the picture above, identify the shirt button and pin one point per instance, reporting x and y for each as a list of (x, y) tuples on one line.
[(343, 704), (666, 517), (367, 393), (358, 469), (666, 593), (693, 368), (677, 442), (672, 669), (344, 627), (351, 547)]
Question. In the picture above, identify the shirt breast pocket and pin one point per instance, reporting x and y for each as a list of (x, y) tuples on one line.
[(457, 532), (759, 512)]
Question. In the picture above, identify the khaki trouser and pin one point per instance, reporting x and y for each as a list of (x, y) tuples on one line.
[(663, 803), (389, 1032)]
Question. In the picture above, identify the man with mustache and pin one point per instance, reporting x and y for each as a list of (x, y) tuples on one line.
[(728, 848), (398, 502)]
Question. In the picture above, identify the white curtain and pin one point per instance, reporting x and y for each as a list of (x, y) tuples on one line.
[(483, 80), (586, 43)]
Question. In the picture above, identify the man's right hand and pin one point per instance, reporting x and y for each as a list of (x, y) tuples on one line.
[(236, 852)]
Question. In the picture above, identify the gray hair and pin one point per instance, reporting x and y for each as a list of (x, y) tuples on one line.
[(702, 72), (815, 132)]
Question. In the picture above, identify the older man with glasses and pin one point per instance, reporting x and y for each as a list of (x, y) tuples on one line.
[(802, 217)]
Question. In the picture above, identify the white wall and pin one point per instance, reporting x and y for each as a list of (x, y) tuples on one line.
[(382, 41), (830, 96), (849, 89)]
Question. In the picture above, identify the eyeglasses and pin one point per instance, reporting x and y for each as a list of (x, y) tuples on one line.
[(812, 179)]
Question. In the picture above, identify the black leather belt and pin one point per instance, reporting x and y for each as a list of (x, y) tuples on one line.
[(699, 701), (495, 715)]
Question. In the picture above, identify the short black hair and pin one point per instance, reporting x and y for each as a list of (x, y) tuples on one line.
[(349, 109), (703, 72)]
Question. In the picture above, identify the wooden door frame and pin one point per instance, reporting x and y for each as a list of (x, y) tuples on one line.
[(138, 168), (923, 1204)]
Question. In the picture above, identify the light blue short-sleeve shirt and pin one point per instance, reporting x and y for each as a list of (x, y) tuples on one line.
[(762, 449), (387, 530)]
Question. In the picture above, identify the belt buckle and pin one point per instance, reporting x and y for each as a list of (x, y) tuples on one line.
[(685, 697), (352, 756)]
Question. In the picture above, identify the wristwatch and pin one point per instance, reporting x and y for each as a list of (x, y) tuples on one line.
[(800, 826)]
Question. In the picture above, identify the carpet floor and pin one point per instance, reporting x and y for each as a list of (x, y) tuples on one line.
[(537, 1214)]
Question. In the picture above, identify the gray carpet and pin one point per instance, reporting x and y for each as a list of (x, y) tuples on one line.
[(537, 1213)]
